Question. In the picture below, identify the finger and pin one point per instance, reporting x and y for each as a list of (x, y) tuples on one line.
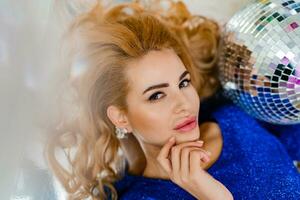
[(198, 143), (185, 162), (206, 156), (195, 160), (165, 150), (166, 165), (176, 154), (175, 160), (163, 155)]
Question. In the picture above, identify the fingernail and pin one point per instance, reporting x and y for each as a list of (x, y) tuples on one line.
[(200, 141), (172, 139)]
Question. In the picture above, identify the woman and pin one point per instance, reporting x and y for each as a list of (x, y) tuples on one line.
[(144, 75)]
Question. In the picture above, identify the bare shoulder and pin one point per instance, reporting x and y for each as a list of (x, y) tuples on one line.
[(210, 131)]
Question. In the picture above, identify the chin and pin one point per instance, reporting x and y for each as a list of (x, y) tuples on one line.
[(188, 136)]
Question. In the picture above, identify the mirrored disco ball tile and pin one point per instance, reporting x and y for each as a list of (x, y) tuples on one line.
[(260, 68)]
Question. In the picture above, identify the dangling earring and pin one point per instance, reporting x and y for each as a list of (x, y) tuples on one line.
[(121, 133)]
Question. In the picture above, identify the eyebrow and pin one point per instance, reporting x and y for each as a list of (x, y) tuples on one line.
[(162, 85)]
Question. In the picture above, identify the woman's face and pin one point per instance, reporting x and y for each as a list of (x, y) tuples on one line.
[(161, 97)]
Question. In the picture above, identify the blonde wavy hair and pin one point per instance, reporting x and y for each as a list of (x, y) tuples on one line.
[(106, 39)]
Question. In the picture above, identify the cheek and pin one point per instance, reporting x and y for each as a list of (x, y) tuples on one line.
[(150, 123), (193, 98), (196, 99)]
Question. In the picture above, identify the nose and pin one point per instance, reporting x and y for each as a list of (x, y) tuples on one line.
[(181, 103)]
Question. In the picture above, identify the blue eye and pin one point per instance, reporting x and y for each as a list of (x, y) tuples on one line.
[(155, 96), (185, 83)]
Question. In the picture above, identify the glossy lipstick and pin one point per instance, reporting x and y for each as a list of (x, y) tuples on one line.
[(189, 124)]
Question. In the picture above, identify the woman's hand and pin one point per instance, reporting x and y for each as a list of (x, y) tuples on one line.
[(184, 162)]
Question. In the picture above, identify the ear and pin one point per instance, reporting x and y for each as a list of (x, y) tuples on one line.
[(118, 118)]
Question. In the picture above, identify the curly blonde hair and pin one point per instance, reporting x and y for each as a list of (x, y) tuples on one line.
[(106, 39)]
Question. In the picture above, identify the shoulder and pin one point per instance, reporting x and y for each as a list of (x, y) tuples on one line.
[(210, 130)]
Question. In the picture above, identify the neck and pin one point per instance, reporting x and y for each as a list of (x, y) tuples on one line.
[(153, 168)]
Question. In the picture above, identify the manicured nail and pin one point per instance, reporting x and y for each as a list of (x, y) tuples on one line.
[(172, 139)]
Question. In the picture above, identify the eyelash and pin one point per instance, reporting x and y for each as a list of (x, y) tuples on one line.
[(152, 97)]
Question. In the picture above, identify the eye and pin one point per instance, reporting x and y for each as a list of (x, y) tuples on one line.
[(155, 96), (185, 83)]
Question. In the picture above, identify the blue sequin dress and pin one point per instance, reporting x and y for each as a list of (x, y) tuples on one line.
[(256, 161)]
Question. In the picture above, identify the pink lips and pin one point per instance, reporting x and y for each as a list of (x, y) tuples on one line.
[(187, 125)]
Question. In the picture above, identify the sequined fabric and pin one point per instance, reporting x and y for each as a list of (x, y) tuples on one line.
[(255, 163)]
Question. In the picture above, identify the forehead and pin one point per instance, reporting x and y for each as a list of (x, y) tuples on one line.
[(154, 68)]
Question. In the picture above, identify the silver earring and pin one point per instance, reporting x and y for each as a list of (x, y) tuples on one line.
[(121, 133)]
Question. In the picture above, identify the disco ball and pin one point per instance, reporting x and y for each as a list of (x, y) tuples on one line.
[(260, 60)]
